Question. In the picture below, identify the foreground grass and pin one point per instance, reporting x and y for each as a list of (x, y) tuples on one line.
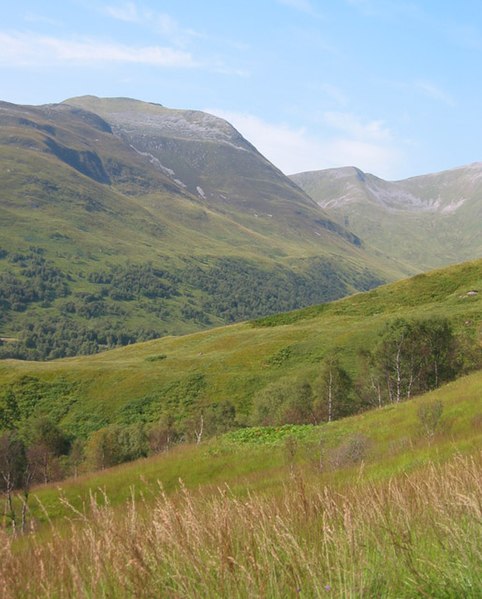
[(414, 535)]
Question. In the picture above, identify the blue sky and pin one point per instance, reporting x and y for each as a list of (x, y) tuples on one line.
[(393, 87)]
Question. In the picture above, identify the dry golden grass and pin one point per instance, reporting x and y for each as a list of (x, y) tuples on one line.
[(416, 535)]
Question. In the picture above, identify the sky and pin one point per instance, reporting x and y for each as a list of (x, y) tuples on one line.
[(393, 87)]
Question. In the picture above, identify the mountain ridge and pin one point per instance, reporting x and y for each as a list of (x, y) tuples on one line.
[(426, 221), (85, 215)]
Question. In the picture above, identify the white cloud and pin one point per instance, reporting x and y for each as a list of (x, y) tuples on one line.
[(295, 149), (127, 12), (32, 17), (160, 22), (351, 124), (20, 49), (334, 93)]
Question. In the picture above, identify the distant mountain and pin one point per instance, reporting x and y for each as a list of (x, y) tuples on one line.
[(122, 220), (425, 221)]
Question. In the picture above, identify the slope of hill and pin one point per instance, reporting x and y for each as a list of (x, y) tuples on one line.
[(182, 376), (259, 509), (153, 222), (426, 221), (247, 520)]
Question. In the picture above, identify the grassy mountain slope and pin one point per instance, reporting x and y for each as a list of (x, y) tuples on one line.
[(256, 458), (426, 221), (101, 244), (182, 375)]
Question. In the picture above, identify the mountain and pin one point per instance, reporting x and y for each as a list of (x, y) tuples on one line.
[(123, 220), (425, 222)]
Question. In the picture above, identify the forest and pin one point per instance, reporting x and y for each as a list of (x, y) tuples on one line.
[(64, 315)]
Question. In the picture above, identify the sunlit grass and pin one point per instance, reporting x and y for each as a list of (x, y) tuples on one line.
[(409, 536)]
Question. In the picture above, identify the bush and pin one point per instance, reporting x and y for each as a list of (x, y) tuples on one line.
[(352, 451)]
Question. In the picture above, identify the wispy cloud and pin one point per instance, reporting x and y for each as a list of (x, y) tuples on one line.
[(160, 22), (301, 5), (435, 92), (22, 49), (350, 124), (32, 17), (386, 8), (334, 93), (127, 12), (367, 145)]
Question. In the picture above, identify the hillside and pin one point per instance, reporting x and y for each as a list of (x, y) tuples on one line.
[(426, 221), (251, 518), (181, 376), (258, 509), (142, 221)]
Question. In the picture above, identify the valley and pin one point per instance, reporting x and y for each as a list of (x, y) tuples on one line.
[(426, 221), (219, 381)]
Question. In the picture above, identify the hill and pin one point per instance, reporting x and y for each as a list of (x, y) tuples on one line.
[(250, 519), (259, 509), (426, 222), (182, 376), (141, 221)]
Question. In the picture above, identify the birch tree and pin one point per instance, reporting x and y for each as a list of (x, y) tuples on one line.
[(333, 391)]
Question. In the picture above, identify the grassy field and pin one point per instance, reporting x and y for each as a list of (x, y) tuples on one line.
[(388, 441), (362, 507)]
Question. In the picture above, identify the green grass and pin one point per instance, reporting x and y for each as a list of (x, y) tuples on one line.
[(390, 441), (234, 362), (273, 517)]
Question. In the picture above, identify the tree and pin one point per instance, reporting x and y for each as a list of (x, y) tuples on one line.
[(13, 467), (76, 456), (415, 356), (285, 401), (47, 442), (103, 448), (333, 391), (398, 359), (162, 434), (9, 410), (133, 441), (439, 349), (370, 385), (219, 417)]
